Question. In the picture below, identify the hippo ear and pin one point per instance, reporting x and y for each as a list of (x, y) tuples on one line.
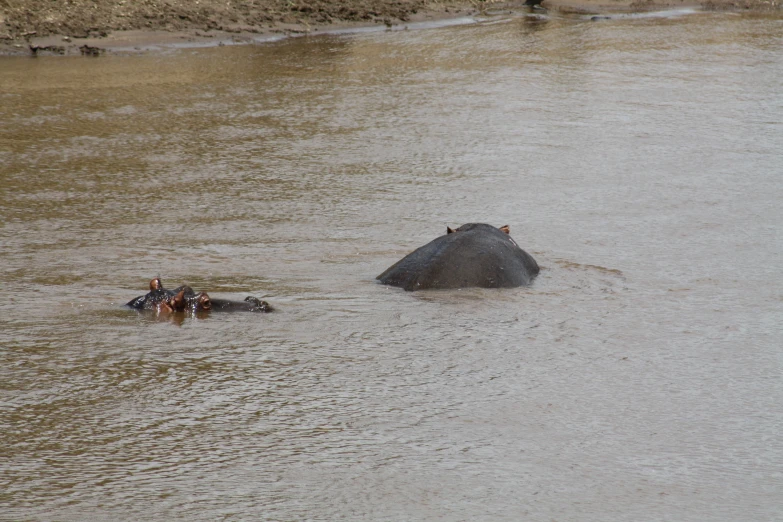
[(155, 284), (449, 230), (506, 229)]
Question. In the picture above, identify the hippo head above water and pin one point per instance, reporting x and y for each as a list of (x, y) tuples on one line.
[(473, 255), (184, 299)]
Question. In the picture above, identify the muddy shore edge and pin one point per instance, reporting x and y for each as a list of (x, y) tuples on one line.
[(95, 27)]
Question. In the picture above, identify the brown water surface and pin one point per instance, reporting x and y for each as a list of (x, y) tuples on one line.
[(638, 159)]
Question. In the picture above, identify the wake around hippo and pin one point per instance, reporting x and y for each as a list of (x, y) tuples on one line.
[(474, 255), (184, 299)]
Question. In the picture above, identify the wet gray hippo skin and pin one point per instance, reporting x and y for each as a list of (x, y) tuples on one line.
[(474, 255), (184, 298), (250, 304)]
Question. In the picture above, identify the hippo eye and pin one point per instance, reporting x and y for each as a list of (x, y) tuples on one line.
[(174, 302)]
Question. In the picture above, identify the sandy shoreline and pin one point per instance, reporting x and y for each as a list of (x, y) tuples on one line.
[(133, 41), (37, 27)]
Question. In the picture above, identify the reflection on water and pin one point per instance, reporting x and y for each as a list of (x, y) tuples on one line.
[(638, 379)]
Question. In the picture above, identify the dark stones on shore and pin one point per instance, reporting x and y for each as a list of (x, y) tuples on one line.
[(60, 50), (88, 50), (52, 49)]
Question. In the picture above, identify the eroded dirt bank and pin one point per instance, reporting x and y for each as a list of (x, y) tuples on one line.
[(64, 26), (91, 26)]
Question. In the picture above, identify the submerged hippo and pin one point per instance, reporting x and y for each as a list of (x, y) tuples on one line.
[(183, 299), (475, 254)]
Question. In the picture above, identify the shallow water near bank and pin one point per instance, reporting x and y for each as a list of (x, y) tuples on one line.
[(638, 378)]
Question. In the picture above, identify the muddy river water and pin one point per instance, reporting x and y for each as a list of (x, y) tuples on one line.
[(639, 378)]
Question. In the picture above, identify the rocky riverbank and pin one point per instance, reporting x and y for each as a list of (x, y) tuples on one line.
[(92, 26)]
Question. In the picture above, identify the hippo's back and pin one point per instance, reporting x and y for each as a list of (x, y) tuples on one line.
[(475, 255)]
